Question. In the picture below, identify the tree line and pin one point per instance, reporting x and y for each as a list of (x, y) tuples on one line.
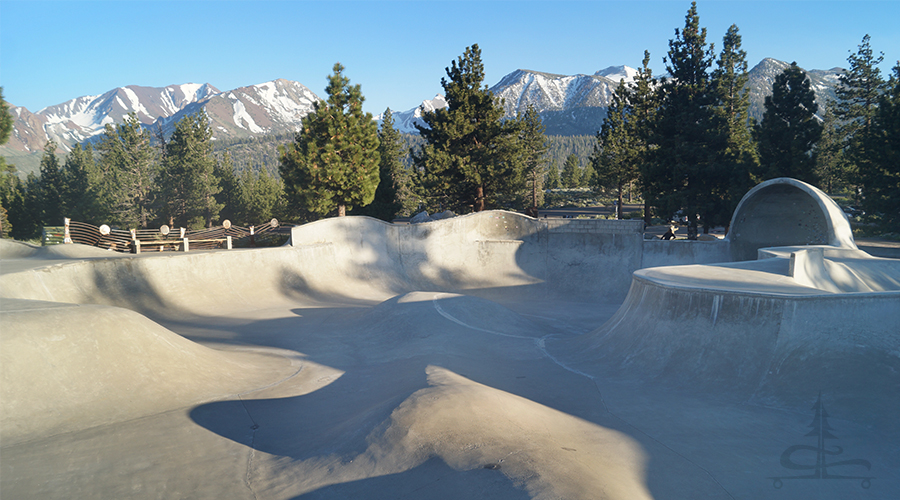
[(689, 143), (685, 143)]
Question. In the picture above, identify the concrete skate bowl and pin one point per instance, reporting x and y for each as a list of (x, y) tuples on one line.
[(378, 361), (769, 332), (784, 212), (106, 360)]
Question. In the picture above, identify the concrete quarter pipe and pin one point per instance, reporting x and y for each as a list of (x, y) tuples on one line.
[(486, 356)]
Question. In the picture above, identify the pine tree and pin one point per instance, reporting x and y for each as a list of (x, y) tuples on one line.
[(738, 158), (28, 225), (51, 187), (882, 174), (79, 175), (789, 129), (688, 137), (829, 154), (333, 161), (571, 172), (186, 186), (262, 196), (393, 179), (230, 195), (617, 156), (553, 181), (12, 199), (6, 120), (645, 103), (534, 148), (471, 159), (857, 95), (127, 170)]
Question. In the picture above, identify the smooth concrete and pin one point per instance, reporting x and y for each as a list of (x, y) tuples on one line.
[(484, 356), (783, 212)]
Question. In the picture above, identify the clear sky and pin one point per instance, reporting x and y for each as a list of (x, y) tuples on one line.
[(53, 51)]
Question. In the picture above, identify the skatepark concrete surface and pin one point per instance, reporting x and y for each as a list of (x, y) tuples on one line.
[(485, 356)]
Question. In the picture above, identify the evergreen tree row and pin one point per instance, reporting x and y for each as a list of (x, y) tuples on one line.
[(134, 180), (685, 142)]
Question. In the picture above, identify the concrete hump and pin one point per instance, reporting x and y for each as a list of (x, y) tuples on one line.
[(66, 368)]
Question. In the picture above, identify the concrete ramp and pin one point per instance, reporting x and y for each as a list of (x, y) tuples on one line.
[(66, 368), (752, 332)]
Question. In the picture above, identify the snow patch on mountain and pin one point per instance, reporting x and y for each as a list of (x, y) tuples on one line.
[(406, 121)]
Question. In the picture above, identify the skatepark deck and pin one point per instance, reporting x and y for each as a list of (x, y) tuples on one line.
[(486, 356)]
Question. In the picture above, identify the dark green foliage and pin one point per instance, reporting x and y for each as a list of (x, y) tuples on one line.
[(230, 195), (262, 197), (685, 172), (831, 168), (12, 199), (187, 185), (51, 187), (738, 158), (79, 175), (534, 149), (881, 174), (856, 104), (571, 172), (615, 159), (471, 159), (559, 147), (622, 146), (27, 225), (333, 162), (394, 193), (128, 168), (6, 119), (553, 180), (789, 129)]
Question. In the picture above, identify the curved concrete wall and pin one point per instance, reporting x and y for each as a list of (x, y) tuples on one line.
[(785, 212), (774, 349)]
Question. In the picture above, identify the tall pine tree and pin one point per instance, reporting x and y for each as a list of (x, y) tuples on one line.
[(789, 129), (471, 159), (645, 103), (51, 187), (534, 149), (688, 136), (80, 179), (571, 172), (617, 156), (857, 96), (882, 172), (186, 186), (738, 158), (128, 169), (333, 162), (393, 181)]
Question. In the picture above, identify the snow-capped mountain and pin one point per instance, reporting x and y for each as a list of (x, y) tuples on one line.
[(567, 104), (267, 108), (762, 78), (618, 73), (271, 107), (405, 121), (83, 118)]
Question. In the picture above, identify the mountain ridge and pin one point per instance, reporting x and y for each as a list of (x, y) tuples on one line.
[(568, 105)]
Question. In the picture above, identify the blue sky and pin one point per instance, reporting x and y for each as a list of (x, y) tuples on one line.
[(51, 52)]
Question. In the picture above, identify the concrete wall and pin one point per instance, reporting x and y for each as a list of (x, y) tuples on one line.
[(497, 249), (784, 212)]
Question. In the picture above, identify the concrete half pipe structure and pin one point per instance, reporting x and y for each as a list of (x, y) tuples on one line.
[(486, 356)]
